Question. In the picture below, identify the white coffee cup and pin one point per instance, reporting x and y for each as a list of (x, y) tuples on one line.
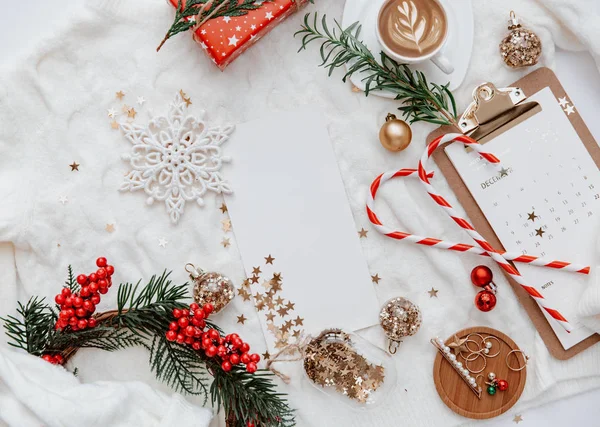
[(442, 62)]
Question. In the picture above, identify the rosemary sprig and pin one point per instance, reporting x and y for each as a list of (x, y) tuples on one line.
[(421, 100)]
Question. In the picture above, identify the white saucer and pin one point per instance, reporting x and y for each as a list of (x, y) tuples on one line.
[(458, 47)]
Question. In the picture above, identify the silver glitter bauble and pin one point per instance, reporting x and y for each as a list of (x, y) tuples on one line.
[(211, 287), (399, 318)]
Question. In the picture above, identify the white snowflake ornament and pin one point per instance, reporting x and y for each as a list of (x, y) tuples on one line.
[(176, 158)]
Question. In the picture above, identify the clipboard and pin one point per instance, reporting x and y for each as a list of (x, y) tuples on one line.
[(493, 119)]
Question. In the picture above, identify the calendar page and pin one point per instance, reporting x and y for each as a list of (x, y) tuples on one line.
[(543, 200)]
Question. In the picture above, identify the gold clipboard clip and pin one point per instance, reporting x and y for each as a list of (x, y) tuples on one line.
[(494, 111)]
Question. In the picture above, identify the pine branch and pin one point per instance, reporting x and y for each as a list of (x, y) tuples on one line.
[(105, 338), (32, 331), (71, 282), (249, 397), (422, 101)]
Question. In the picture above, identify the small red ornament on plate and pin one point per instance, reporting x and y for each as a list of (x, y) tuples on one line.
[(482, 277)]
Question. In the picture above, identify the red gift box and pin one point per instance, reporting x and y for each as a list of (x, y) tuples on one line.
[(227, 37)]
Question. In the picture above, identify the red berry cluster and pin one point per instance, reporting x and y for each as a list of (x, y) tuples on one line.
[(55, 359), (189, 329), (76, 309)]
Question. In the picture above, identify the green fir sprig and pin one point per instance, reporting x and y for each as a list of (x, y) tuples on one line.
[(421, 100), (142, 317)]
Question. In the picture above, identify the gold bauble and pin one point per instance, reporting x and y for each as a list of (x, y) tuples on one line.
[(211, 287), (395, 134), (521, 47)]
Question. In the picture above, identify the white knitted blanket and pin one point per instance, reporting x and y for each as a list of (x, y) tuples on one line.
[(53, 106)]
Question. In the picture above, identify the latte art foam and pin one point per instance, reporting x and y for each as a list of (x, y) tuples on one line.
[(412, 28)]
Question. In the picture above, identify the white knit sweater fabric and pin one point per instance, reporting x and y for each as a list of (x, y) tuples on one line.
[(53, 111)]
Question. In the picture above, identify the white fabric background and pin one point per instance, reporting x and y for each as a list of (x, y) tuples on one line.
[(53, 112)]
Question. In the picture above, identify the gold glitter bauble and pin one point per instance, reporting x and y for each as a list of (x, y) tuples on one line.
[(521, 47), (210, 287), (395, 134), (399, 318)]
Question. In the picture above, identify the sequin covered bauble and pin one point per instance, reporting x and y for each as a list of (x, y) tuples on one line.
[(521, 47), (210, 287), (399, 318)]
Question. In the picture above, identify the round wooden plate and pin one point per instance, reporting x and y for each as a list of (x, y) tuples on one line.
[(458, 396)]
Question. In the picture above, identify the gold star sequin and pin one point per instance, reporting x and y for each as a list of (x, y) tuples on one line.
[(433, 293), (244, 294), (296, 334), (74, 166), (256, 270), (290, 305), (185, 98), (375, 279), (266, 355), (110, 228), (241, 319), (225, 242), (270, 316), (269, 259), (299, 321), (120, 95), (226, 225), (223, 207), (277, 276), (131, 113), (459, 345), (254, 279), (279, 301), (539, 232), (282, 311), (362, 233), (114, 124), (517, 419), (532, 216), (275, 286)]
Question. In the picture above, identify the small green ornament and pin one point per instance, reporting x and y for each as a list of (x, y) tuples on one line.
[(491, 390)]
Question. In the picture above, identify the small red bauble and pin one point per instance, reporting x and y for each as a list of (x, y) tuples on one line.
[(485, 300), (82, 279), (103, 290), (59, 299), (502, 385), (208, 308), (251, 367), (213, 334), (245, 348), (255, 358), (171, 335), (66, 292), (194, 306), (101, 262), (110, 270), (196, 345), (481, 276), (77, 301), (48, 358), (185, 312), (245, 358), (189, 331), (173, 326), (183, 322), (176, 313), (92, 323), (234, 359), (101, 273), (95, 299), (211, 351), (180, 338), (59, 359), (249, 424), (80, 312), (85, 291), (93, 286), (226, 366)]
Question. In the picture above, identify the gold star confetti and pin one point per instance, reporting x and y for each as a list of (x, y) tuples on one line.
[(282, 311), (120, 95), (125, 108), (225, 242), (254, 279), (256, 270), (269, 259), (299, 321), (532, 216), (279, 301), (270, 316), (277, 276), (290, 305), (296, 334), (114, 124), (131, 113), (275, 286), (266, 355), (223, 207), (74, 166), (362, 233), (226, 225), (110, 228), (375, 279), (244, 294), (517, 419), (433, 293), (241, 319), (539, 232), (185, 98), (503, 172), (246, 283)]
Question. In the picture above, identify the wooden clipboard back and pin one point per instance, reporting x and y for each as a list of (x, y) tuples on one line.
[(531, 83)]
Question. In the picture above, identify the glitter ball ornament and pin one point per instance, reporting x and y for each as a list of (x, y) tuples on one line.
[(399, 318), (211, 288), (485, 300), (521, 47)]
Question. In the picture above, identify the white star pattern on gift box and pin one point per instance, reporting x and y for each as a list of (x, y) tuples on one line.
[(176, 158)]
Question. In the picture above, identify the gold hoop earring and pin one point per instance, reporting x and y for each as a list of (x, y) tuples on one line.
[(472, 360), (525, 357), (487, 346)]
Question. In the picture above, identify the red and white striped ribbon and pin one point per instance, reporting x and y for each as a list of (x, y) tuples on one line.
[(446, 244), (501, 259)]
